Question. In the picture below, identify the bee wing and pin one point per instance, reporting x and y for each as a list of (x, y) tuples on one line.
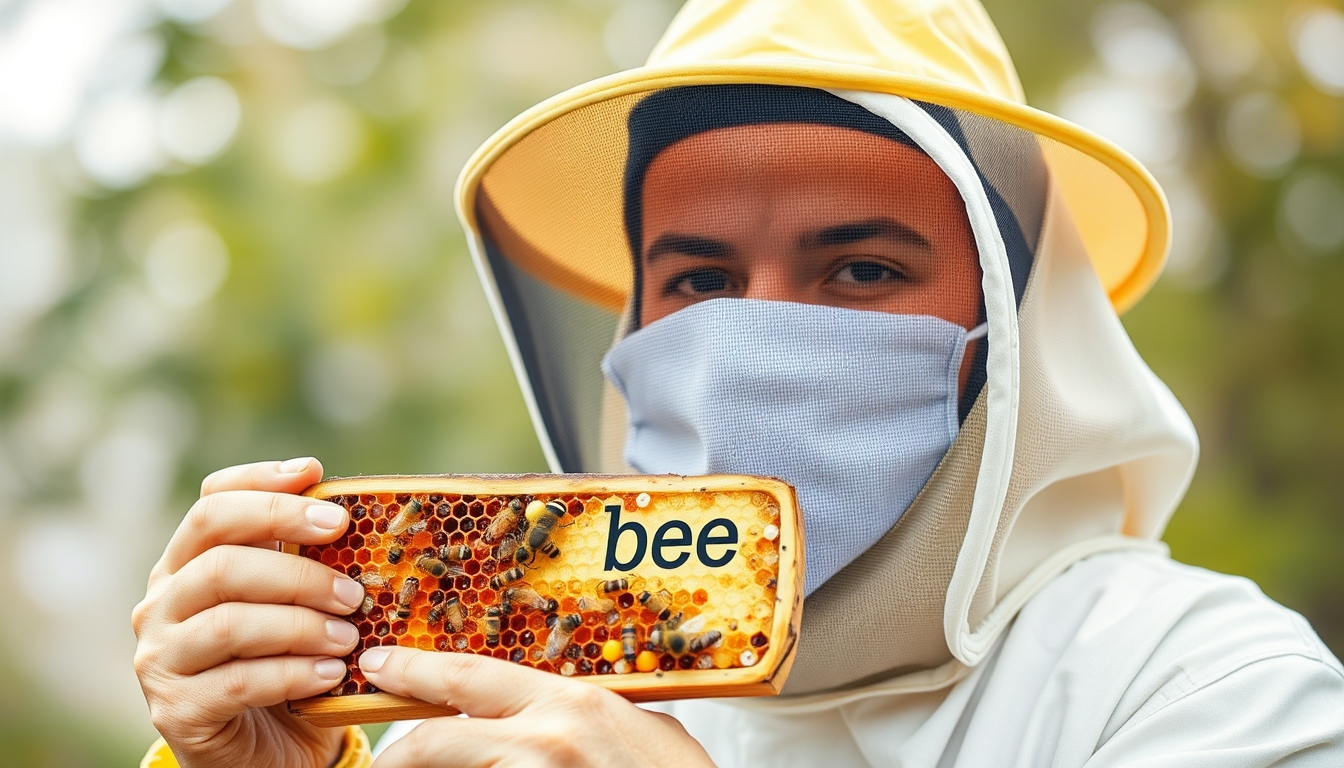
[(694, 624)]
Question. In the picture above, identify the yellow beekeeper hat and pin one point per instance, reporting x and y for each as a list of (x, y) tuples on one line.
[(547, 187)]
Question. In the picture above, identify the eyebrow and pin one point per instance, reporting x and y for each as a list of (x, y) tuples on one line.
[(858, 231), (688, 245)]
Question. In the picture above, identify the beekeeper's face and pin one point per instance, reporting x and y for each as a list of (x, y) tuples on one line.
[(805, 213)]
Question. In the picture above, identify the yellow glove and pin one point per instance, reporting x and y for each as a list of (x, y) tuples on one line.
[(354, 754)]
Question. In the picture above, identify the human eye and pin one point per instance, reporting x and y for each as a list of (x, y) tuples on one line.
[(866, 273), (698, 282)]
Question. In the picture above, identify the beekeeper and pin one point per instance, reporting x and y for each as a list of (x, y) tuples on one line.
[(824, 241)]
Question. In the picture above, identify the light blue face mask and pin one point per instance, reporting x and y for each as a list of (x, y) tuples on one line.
[(854, 408)]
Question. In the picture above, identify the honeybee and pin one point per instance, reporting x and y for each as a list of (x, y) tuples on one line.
[(629, 642), (701, 642), (492, 626), (450, 612), (454, 554), (411, 514), (596, 604), (409, 588), (367, 606), (373, 580), (507, 577), (539, 533), (678, 638), (506, 602), (660, 603), (417, 528), (504, 521), (614, 585), (527, 597), (395, 552), (508, 547), (561, 635), (437, 568)]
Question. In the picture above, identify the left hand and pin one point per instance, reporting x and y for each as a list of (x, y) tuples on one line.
[(520, 716)]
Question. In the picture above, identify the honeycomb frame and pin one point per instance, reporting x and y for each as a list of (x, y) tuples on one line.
[(752, 601)]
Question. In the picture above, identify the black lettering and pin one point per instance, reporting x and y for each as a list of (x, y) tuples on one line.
[(707, 540), (614, 535), (661, 540)]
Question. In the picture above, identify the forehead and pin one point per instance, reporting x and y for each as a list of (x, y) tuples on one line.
[(791, 153), (738, 166)]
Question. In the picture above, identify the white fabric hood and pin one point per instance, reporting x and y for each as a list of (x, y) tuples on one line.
[(1074, 446)]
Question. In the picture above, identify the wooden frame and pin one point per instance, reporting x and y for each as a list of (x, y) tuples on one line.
[(765, 677)]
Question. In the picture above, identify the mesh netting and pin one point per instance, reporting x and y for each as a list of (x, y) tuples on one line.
[(801, 184)]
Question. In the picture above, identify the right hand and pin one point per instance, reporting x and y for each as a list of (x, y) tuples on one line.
[(230, 628)]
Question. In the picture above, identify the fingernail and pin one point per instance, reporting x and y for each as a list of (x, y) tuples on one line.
[(348, 593), (330, 669), (325, 516), (373, 659), (342, 633), (295, 466)]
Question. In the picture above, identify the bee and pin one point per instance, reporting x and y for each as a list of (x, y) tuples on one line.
[(596, 604), (614, 585), (492, 626), (660, 603), (373, 580), (411, 514), (437, 568), (454, 554), (701, 642), (629, 642), (508, 547), (506, 602), (561, 635), (395, 552), (366, 607), (678, 639), (417, 528), (527, 597), (539, 533), (507, 577), (408, 589), (450, 612), (504, 521)]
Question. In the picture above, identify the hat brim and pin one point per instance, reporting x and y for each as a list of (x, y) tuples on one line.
[(577, 141)]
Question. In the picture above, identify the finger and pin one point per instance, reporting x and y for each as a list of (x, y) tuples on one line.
[(229, 574), (292, 476), (228, 689), (480, 686), (249, 517), (244, 631)]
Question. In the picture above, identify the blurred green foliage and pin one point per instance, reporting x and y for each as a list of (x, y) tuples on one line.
[(362, 276)]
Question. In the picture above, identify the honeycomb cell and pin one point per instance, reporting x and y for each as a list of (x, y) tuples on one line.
[(526, 638), (509, 638)]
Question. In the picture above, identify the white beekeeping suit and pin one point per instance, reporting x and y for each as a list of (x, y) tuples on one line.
[(994, 591)]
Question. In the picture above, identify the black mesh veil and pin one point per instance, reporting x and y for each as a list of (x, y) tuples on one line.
[(560, 333)]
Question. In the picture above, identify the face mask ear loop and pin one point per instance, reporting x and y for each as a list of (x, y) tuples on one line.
[(978, 332)]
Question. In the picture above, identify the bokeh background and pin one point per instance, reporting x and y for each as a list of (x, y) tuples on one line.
[(226, 235)]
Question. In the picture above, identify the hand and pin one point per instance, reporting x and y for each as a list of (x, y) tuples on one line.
[(520, 717), (230, 628)]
